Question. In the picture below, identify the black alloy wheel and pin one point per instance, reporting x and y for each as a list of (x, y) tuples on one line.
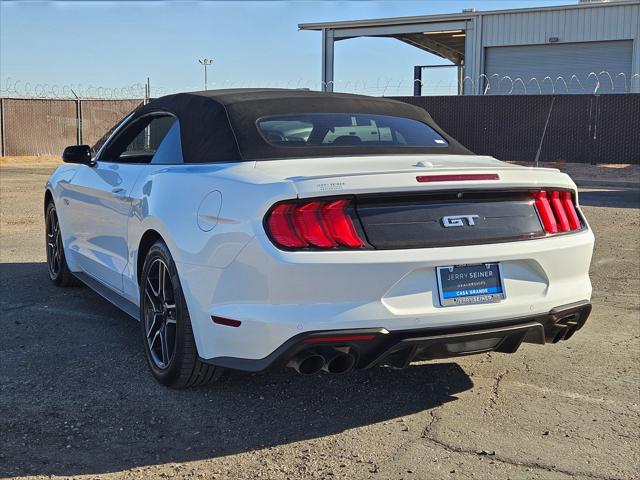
[(169, 345), (59, 272)]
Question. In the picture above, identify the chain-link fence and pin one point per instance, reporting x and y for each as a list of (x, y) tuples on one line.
[(45, 126), (98, 116), (581, 128)]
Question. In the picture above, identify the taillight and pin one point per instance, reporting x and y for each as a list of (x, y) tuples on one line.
[(281, 227), (308, 221), (570, 210), (340, 224), (557, 212), (314, 224)]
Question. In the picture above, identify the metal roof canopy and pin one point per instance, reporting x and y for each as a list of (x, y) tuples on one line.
[(456, 37)]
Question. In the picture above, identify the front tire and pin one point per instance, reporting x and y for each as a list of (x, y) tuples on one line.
[(59, 272), (165, 324)]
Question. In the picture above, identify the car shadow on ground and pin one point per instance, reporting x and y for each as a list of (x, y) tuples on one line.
[(77, 397), (612, 198)]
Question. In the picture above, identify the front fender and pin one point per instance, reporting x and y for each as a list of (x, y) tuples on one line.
[(56, 186)]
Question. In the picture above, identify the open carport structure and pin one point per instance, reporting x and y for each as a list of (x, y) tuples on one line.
[(574, 42)]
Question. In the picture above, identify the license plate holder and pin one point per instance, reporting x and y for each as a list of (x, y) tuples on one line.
[(470, 284)]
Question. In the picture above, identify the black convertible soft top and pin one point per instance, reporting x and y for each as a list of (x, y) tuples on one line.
[(221, 125)]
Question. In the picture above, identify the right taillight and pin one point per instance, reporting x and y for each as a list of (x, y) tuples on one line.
[(316, 224), (557, 211)]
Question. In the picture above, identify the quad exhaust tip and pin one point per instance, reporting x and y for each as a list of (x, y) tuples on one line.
[(307, 363), (566, 327), (334, 360), (339, 361)]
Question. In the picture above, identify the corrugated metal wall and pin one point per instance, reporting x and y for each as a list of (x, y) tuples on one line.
[(601, 22), (582, 23), (560, 68)]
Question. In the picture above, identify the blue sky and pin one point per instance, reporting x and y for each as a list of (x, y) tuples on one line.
[(119, 44)]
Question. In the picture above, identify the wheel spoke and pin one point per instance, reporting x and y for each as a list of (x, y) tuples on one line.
[(150, 285), (54, 259), (160, 280), (153, 327), (165, 346), (152, 300), (161, 313), (153, 340)]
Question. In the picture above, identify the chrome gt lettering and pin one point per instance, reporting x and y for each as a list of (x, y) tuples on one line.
[(459, 220)]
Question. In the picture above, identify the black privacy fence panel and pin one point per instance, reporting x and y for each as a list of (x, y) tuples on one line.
[(582, 128)]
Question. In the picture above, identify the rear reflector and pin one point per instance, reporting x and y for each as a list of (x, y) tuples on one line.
[(557, 212), (340, 338), (462, 177), (314, 224), (227, 322)]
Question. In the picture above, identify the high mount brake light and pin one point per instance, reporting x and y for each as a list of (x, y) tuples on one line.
[(557, 211), (314, 224), (460, 177)]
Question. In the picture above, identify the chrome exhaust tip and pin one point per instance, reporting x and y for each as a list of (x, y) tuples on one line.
[(307, 363)]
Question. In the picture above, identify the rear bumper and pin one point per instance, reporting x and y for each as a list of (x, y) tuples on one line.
[(401, 347), (279, 295)]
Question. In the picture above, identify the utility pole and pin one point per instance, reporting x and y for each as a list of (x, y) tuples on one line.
[(205, 62), (147, 91)]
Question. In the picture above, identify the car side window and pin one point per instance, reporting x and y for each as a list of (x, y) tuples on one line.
[(139, 141), (169, 151)]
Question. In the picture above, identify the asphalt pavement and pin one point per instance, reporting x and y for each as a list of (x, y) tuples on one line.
[(76, 398)]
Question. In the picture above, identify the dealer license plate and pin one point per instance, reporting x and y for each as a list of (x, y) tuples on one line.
[(470, 284)]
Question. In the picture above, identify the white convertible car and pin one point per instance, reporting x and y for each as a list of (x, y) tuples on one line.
[(248, 229)]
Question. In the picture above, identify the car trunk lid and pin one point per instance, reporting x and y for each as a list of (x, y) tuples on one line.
[(427, 201)]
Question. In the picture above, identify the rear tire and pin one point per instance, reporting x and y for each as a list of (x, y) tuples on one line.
[(57, 267), (167, 335)]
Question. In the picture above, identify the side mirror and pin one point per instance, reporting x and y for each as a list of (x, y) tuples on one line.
[(77, 154)]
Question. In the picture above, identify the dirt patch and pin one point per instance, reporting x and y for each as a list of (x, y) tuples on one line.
[(31, 160)]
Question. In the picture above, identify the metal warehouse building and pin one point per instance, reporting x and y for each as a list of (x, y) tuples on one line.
[(593, 46)]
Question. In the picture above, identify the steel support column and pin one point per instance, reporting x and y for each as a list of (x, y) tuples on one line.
[(417, 80), (327, 60)]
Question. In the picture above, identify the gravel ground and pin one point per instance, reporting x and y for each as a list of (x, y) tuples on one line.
[(76, 398)]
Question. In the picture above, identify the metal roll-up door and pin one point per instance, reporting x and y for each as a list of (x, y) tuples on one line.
[(559, 68)]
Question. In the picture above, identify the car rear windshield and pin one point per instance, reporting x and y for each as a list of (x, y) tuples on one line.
[(347, 129)]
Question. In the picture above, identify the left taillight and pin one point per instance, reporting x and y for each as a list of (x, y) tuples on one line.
[(557, 211), (317, 224)]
